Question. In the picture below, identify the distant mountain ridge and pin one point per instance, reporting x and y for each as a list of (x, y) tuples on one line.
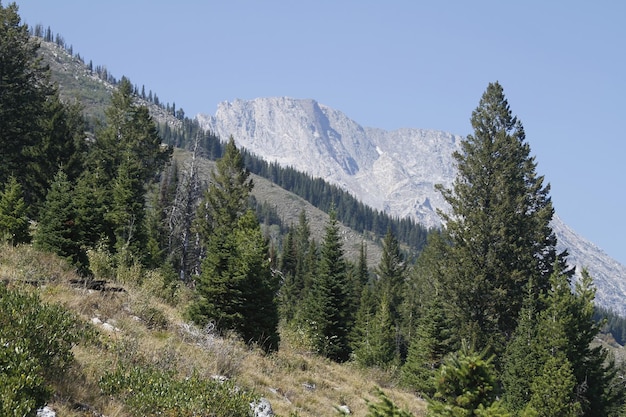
[(394, 171)]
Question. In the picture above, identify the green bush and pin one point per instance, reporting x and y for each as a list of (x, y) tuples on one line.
[(35, 350), (147, 391)]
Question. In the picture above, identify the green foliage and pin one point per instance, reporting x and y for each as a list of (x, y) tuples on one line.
[(14, 227), (499, 226), (57, 231), (466, 386), (236, 289), (327, 311), (376, 345), (553, 390), (612, 323), (38, 134), (430, 344), (148, 391), (35, 350), (385, 407)]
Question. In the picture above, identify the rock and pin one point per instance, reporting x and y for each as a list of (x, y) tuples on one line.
[(46, 412), (262, 408), (344, 409)]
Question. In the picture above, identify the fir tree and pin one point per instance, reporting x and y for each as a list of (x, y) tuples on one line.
[(466, 386), (126, 157), (385, 407), (429, 345), (391, 284), (14, 224), (327, 314), (521, 361), (498, 226), (235, 289), (376, 345), (57, 231), (38, 133), (553, 390)]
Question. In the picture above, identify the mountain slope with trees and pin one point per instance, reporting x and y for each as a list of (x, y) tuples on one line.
[(167, 246)]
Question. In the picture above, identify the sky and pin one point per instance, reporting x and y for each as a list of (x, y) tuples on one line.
[(392, 64)]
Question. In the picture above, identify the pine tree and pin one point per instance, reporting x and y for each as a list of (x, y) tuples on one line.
[(391, 284), (327, 314), (521, 361), (466, 386), (226, 198), (385, 407), (57, 231), (38, 133), (567, 327), (236, 289), (126, 157), (183, 241), (14, 224), (553, 390), (431, 342), (376, 345), (498, 226)]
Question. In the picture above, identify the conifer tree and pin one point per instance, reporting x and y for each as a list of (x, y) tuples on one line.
[(498, 226), (184, 246), (566, 327), (14, 224), (376, 345), (327, 314), (521, 360), (385, 407), (37, 132), (57, 231), (391, 284), (126, 157), (553, 390), (429, 345), (466, 386), (236, 289)]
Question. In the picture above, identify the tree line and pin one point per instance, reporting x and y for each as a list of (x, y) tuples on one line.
[(483, 323)]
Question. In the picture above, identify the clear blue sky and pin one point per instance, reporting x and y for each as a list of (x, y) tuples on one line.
[(392, 64)]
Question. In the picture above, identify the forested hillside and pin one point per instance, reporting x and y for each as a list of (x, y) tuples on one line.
[(482, 323)]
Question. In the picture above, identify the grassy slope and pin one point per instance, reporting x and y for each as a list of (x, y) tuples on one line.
[(286, 378)]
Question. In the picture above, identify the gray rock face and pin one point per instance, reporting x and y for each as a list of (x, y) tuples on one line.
[(394, 171)]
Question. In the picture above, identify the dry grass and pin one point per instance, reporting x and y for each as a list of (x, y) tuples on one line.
[(295, 381)]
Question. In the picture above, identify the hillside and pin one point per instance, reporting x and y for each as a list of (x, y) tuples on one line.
[(139, 323), (127, 221), (289, 206)]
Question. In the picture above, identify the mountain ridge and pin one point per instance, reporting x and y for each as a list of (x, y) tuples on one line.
[(393, 171)]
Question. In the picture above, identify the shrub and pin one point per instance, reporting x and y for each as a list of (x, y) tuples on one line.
[(35, 349), (147, 391)]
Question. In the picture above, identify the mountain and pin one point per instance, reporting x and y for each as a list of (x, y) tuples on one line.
[(394, 171)]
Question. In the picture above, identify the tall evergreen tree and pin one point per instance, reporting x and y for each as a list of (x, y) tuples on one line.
[(14, 224), (57, 231), (498, 226), (126, 157), (429, 345), (327, 314), (376, 345), (391, 284), (236, 289), (37, 132)]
